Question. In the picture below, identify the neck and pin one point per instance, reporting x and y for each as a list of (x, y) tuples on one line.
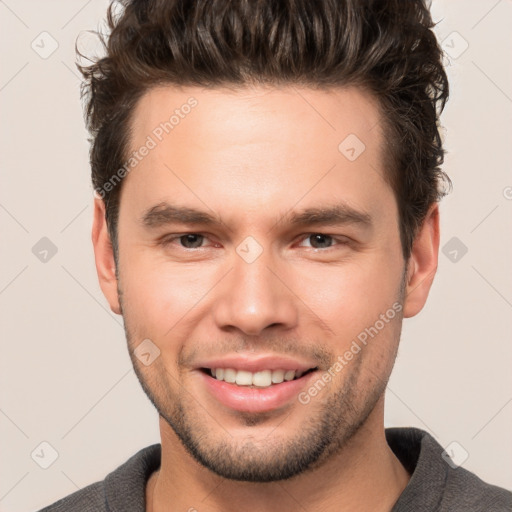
[(364, 475)]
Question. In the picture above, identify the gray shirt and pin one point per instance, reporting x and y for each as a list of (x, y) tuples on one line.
[(434, 485)]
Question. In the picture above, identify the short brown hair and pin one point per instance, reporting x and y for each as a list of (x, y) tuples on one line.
[(386, 47)]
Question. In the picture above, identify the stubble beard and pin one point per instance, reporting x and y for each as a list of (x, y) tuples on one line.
[(333, 421)]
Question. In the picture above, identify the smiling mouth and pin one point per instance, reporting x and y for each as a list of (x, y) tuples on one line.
[(260, 379)]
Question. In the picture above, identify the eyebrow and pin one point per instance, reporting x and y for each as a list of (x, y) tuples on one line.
[(334, 215), (165, 213), (339, 214)]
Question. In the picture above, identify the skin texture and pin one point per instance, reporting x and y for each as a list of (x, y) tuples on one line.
[(250, 158)]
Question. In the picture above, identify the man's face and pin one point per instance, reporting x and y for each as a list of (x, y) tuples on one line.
[(252, 289)]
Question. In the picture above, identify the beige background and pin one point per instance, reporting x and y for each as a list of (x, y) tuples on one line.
[(66, 377)]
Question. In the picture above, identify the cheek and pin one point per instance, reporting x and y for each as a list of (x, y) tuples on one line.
[(350, 297), (157, 295)]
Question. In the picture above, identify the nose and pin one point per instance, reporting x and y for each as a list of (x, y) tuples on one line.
[(254, 297)]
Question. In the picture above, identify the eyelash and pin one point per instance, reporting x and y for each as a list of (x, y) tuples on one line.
[(165, 242)]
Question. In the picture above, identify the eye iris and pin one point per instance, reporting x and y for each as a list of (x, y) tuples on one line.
[(321, 239), (191, 241)]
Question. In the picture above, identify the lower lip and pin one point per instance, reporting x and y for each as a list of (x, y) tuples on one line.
[(247, 399)]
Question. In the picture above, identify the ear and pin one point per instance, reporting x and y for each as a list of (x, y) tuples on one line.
[(422, 263), (104, 256)]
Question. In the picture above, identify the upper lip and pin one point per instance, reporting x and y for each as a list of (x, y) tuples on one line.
[(256, 364)]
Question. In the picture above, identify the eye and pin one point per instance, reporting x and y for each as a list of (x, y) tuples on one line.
[(184, 241), (322, 241), (191, 240)]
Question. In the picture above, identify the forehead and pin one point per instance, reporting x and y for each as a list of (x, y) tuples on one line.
[(245, 113), (257, 146)]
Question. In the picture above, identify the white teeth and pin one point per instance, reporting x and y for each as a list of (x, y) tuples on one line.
[(229, 375), (289, 375), (277, 376), (262, 379), (243, 378)]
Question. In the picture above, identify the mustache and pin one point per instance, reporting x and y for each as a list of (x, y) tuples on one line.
[(277, 346)]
